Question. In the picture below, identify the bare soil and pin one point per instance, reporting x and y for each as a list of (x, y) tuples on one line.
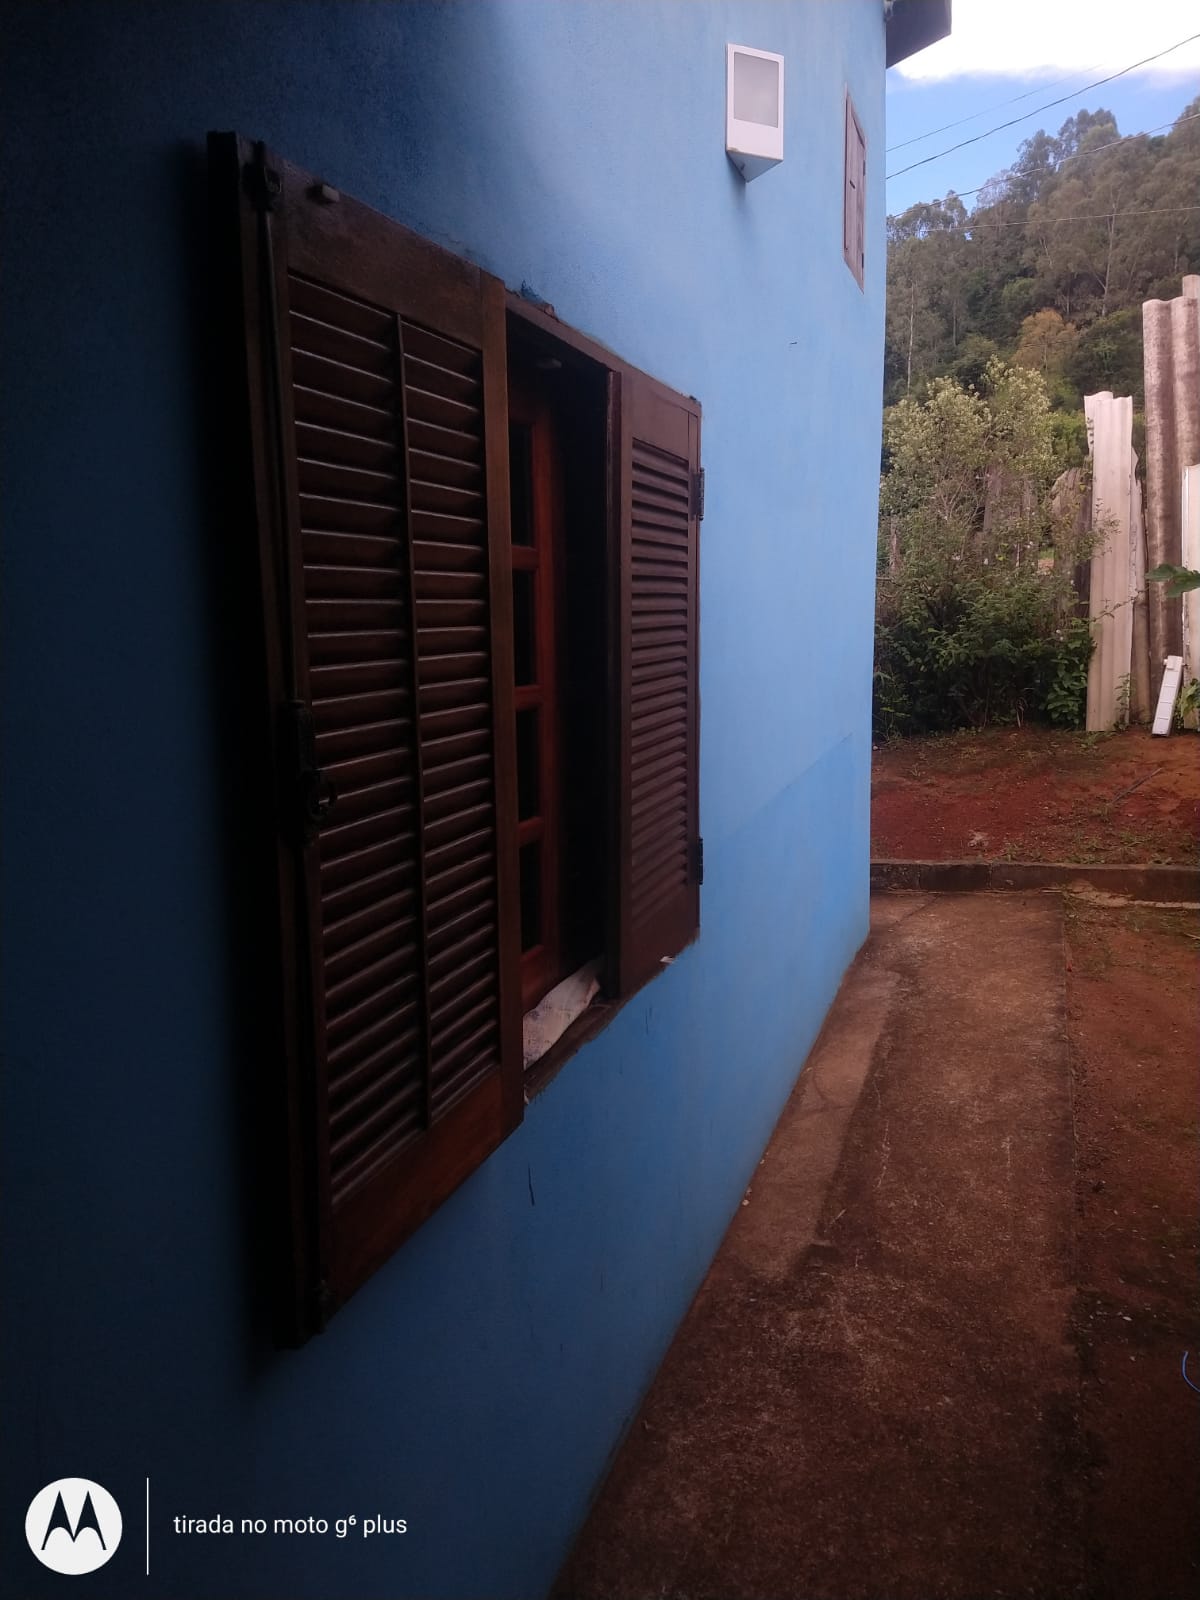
[(938, 1356), (1133, 1008), (1037, 794)]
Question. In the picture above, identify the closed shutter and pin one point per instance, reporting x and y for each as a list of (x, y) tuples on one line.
[(861, 206), (658, 887), (376, 372), (854, 197)]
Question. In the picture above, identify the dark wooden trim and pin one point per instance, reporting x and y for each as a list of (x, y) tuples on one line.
[(236, 311), (508, 909), (313, 1067), (287, 1085), (625, 972), (380, 260), (375, 1219), (610, 978), (570, 341), (415, 686), (694, 460)]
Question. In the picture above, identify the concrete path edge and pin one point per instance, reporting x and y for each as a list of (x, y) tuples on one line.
[(1171, 884)]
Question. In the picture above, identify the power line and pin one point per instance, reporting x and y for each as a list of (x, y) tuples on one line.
[(924, 162), (1091, 216), (975, 115), (1094, 151)]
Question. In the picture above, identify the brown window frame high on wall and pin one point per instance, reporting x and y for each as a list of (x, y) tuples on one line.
[(370, 427), (854, 195)]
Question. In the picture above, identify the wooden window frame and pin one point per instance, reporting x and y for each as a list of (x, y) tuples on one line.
[(332, 532), (540, 964), (623, 976)]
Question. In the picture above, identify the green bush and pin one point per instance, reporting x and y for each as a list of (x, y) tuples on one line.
[(992, 657), (975, 615)]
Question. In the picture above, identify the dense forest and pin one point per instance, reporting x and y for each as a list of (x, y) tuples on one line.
[(1049, 267)]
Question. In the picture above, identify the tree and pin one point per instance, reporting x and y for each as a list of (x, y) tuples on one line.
[(927, 258), (1046, 343), (1108, 355), (971, 626), (970, 364)]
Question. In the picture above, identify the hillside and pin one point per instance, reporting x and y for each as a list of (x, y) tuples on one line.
[(1050, 265)]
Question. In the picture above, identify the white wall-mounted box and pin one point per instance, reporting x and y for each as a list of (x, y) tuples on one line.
[(753, 109)]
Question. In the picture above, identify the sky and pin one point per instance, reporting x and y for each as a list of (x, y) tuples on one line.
[(1039, 50)]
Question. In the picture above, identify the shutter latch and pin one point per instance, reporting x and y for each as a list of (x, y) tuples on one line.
[(698, 495), (263, 183), (309, 795)]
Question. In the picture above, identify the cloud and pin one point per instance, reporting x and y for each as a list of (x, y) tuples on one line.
[(1041, 38)]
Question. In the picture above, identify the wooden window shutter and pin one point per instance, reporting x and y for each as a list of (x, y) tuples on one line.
[(854, 196), (375, 370), (861, 208), (658, 887)]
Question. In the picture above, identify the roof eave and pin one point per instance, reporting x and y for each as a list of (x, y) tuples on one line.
[(914, 24)]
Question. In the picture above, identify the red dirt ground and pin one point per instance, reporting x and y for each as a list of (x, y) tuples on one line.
[(1133, 1008), (1037, 794), (947, 1366)]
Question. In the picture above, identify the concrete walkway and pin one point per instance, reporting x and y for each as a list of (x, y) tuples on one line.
[(874, 1394)]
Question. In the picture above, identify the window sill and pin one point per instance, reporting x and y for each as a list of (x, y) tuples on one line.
[(586, 1026)]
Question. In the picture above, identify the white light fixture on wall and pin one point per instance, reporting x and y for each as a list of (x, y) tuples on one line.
[(753, 109)]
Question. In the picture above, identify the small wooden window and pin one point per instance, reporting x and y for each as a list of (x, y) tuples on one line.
[(854, 196), (480, 666)]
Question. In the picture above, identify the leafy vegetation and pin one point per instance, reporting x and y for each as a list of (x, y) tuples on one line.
[(999, 320), (1179, 580), (975, 613), (1050, 267)]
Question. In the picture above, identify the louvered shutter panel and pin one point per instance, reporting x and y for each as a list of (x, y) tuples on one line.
[(658, 766), (376, 370)]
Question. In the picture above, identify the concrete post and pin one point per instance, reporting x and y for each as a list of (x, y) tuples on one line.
[(1114, 487), (1171, 339)]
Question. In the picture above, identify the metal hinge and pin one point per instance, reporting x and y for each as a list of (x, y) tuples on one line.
[(699, 857), (308, 795), (263, 183), (698, 495), (323, 1306)]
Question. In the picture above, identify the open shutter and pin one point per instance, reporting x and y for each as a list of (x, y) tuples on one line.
[(376, 375), (658, 842)]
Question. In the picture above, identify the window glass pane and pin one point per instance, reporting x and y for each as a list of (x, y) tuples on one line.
[(527, 765), (531, 896), (520, 477), (755, 90), (524, 641)]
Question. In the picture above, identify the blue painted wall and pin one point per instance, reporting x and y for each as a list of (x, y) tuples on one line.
[(478, 1384)]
